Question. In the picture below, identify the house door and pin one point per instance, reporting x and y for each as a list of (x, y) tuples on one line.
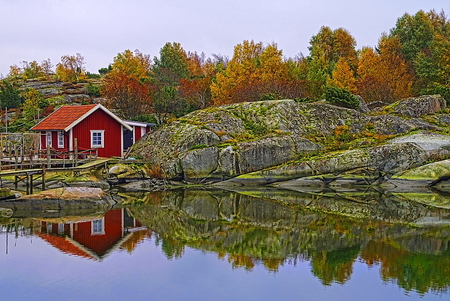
[(127, 139)]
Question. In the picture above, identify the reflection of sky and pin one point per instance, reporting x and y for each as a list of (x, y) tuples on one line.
[(33, 270)]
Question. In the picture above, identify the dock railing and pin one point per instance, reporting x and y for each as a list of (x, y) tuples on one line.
[(22, 151)]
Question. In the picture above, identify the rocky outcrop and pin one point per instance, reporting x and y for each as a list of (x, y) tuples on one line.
[(262, 142), (61, 202), (65, 92), (418, 106)]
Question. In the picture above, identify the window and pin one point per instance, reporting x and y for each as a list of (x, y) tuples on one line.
[(49, 138), (97, 138), (60, 228), (98, 226), (60, 139)]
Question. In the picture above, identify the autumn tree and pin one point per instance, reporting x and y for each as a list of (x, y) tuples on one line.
[(71, 68), (127, 85), (343, 77), (14, 71), (327, 48), (384, 76), (32, 70), (47, 67), (237, 82), (254, 73), (196, 88)]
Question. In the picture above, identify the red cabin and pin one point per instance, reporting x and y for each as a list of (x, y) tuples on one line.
[(139, 130), (94, 127)]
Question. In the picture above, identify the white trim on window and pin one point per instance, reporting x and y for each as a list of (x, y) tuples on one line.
[(60, 139), (48, 139), (98, 226), (97, 138)]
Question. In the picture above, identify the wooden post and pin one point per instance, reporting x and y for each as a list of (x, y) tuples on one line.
[(27, 183), (16, 159), (31, 183), (15, 182), (49, 159), (43, 177), (1, 151), (75, 142)]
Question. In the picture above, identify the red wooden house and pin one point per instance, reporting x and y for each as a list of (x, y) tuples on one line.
[(94, 127)]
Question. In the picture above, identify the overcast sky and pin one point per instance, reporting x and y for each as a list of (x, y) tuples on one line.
[(100, 29)]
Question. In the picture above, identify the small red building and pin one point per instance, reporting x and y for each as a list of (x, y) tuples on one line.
[(94, 127), (139, 130)]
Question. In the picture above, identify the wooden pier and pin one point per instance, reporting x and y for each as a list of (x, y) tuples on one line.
[(21, 158)]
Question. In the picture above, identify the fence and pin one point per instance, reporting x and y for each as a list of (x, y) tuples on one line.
[(22, 151)]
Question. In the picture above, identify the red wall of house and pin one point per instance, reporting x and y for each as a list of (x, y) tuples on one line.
[(137, 133), (99, 120), (100, 243), (54, 140)]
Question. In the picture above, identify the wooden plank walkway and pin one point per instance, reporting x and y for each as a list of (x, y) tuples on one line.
[(29, 175)]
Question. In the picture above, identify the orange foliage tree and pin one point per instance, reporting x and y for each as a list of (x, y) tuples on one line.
[(384, 76), (255, 73), (196, 88), (343, 77), (126, 87)]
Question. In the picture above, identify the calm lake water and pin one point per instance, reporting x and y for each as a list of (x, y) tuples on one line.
[(219, 245)]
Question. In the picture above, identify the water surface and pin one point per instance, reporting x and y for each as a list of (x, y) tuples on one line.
[(219, 245)]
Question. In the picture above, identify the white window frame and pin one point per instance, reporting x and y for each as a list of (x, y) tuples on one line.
[(102, 138), (98, 226), (48, 139), (60, 139)]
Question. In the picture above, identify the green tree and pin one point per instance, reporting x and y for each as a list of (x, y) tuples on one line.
[(172, 64), (9, 95), (169, 70)]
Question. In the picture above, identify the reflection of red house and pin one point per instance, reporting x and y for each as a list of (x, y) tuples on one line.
[(93, 127), (95, 238)]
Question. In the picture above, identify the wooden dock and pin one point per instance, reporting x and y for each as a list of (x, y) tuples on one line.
[(22, 158), (28, 176)]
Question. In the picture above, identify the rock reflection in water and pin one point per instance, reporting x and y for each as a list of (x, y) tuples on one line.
[(410, 241)]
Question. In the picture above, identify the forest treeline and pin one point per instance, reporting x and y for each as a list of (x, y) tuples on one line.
[(412, 59)]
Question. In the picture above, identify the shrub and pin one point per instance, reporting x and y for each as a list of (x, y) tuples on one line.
[(341, 97), (436, 88), (93, 90)]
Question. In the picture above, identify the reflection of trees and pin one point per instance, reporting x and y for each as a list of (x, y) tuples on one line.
[(335, 265), (252, 231), (136, 238), (411, 271), (172, 248)]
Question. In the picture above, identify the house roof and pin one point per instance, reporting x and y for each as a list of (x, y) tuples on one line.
[(139, 123), (66, 245), (66, 117)]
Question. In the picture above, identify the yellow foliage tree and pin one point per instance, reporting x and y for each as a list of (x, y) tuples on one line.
[(71, 68), (343, 77)]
